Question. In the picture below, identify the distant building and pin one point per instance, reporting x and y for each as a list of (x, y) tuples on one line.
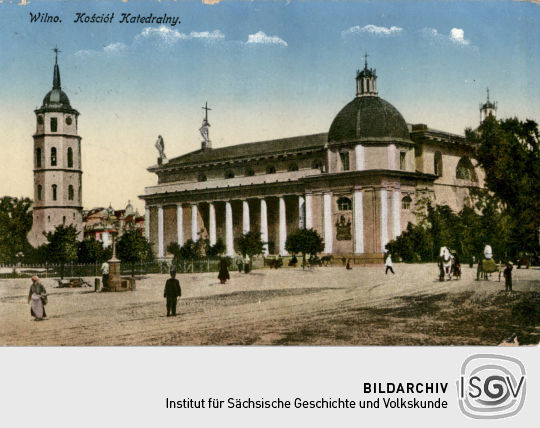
[(357, 185), (102, 223), (57, 165)]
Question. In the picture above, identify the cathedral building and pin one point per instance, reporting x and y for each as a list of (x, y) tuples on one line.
[(57, 165), (357, 185)]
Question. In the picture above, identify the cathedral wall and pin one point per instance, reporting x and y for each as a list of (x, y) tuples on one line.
[(169, 226), (376, 157), (317, 212), (342, 225), (153, 227)]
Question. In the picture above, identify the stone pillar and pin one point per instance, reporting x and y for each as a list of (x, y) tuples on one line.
[(360, 159), (301, 212), (396, 213), (327, 222), (229, 244), (147, 222), (180, 224), (194, 223), (282, 226), (392, 156), (264, 227), (384, 219), (309, 217), (212, 223), (245, 217), (161, 252), (358, 211)]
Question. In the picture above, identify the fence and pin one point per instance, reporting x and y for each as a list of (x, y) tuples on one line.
[(83, 270)]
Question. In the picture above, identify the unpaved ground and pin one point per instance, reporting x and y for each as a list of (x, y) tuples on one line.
[(324, 306)]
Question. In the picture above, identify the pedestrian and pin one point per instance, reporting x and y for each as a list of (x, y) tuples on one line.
[(37, 296), (247, 264), (508, 276), (388, 264), (171, 292), (348, 265), (239, 263), (223, 275), (105, 274)]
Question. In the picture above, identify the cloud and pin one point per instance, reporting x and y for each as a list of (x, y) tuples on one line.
[(110, 49), (209, 35), (114, 47), (456, 35), (170, 36), (262, 39), (373, 29)]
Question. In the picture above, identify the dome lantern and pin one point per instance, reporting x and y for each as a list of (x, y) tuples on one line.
[(366, 81)]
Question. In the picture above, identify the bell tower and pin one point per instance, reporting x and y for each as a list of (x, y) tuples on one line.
[(57, 164), (489, 108)]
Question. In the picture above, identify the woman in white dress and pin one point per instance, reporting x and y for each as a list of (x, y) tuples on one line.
[(37, 297)]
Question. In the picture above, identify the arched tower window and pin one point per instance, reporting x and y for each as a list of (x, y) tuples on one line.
[(70, 192), (70, 157), (344, 204), (53, 156), (437, 164), (54, 192), (270, 169), (406, 203), (229, 174), (293, 167), (39, 192), (465, 170), (38, 157)]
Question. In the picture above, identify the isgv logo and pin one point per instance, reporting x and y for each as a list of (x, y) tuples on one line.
[(491, 386)]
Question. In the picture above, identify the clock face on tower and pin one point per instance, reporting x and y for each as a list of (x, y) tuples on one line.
[(68, 120)]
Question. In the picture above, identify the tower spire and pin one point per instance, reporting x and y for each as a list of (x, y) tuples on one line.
[(489, 108), (56, 74), (366, 80)]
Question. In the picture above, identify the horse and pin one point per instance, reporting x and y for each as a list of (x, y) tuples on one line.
[(445, 264), (487, 265)]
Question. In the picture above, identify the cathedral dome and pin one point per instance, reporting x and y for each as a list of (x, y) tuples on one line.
[(368, 117)]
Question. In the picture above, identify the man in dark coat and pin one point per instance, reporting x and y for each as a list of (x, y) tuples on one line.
[(508, 276), (171, 292)]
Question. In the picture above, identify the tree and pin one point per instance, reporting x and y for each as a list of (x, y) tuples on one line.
[(306, 242), (134, 248), (15, 223), (508, 152), (92, 251), (62, 246), (216, 249), (250, 244)]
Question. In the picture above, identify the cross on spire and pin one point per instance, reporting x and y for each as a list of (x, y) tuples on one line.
[(365, 59), (206, 108), (56, 51), (488, 94)]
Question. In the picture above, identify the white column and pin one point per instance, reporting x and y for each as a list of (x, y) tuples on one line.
[(212, 223), (161, 253), (392, 156), (359, 154), (282, 226), (396, 213), (384, 219), (180, 224), (358, 211), (147, 222), (245, 217), (264, 227), (327, 222), (194, 223), (301, 212), (229, 230), (309, 217)]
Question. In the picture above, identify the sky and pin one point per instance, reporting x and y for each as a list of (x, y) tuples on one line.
[(267, 69)]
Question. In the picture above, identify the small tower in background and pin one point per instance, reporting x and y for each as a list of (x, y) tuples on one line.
[(57, 165), (366, 81), (489, 108)]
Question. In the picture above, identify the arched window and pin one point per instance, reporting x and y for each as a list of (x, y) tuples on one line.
[(54, 192), (293, 167), (53, 156), (70, 157), (39, 192), (202, 177), (249, 172), (406, 203), (437, 164), (344, 204), (38, 157), (229, 174), (465, 170), (344, 156), (270, 169), (70, 192)]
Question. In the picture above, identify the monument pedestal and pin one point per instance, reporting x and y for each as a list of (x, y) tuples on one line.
[(116, 282)]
